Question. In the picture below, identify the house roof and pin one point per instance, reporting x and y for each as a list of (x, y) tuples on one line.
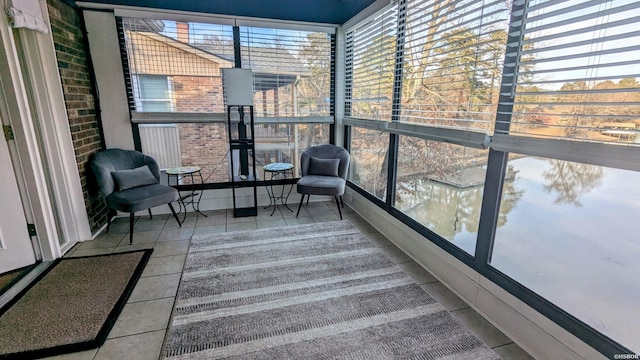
[(272, 67)]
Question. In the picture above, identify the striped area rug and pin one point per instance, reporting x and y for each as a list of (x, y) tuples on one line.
[(317, 291)]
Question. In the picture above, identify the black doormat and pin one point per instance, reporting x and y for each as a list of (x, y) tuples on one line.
[(71, 306)]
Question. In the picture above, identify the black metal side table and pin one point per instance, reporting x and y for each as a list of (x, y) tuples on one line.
[(189, 197), (278, 170)]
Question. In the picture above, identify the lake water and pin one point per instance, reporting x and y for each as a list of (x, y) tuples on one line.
[(568, 231)]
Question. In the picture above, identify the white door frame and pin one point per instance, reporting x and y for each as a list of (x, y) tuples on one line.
[(58, 192)]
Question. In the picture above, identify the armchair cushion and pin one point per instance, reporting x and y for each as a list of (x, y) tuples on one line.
[(131, 178), (324, 167), (141, 198)]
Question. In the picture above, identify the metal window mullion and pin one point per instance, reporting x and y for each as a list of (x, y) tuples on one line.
[(332, 90), (394, 139), (497, 163)]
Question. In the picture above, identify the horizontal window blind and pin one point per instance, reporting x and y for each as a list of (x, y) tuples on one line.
[(371, 60), (291, 71), (175, 66), (577, 74), (453, 58)]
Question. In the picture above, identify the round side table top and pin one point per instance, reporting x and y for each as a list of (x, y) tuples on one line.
[(278, 167), (181, 170)]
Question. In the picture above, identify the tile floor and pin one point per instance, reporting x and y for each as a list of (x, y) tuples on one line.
[(140, 329)]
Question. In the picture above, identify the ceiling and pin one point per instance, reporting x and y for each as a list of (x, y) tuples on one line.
[(316, 11)]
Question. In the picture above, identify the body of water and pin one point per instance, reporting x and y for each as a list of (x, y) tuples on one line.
[(567, 231)]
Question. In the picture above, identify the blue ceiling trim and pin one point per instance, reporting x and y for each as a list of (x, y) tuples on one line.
[(316, 11)]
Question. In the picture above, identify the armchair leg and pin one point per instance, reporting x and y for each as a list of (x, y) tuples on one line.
[(308, 197), (300, 205), (339, 210), (341, 201), (150, 215), (173, 211), (131, 220), (108, 221)]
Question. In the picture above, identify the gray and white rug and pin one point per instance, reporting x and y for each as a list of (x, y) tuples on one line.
[(317, 291)]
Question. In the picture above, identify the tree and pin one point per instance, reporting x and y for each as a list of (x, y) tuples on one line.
[(571, 180)]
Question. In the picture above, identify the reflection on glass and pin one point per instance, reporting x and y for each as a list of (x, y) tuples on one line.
[(205, 145), (572, 239), (285, 143), (441, 186), (369, 160)]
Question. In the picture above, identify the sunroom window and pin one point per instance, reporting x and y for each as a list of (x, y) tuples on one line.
[(176, 94)]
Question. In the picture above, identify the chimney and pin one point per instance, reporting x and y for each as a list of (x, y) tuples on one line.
[(183, 32)]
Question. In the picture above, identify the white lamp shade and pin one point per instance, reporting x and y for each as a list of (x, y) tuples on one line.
[(238, 85)]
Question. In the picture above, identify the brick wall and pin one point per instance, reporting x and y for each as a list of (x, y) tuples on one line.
[(79, 98)]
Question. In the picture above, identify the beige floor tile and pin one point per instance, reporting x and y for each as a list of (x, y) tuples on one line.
[(352, 216), (326, 217), (288, 215), (299, 220), (211, 220), (364, 227), (211, 213), (170, 248), (444, 296), (271, 223), (149, 225), (175, 234), (134, 247), (155, 287), (379, 239), (512, 352), (189, 222), (164, 265), (91, 252), (236, 220), (142, 317), (139, 347), (119, 227), (242, 226), (396, 255), (417, 273), (82, 355), (213, 229), (142, 237), (483, 329), (102, 241)]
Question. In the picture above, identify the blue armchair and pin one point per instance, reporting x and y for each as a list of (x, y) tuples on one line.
[(324, 172), (129, 181)]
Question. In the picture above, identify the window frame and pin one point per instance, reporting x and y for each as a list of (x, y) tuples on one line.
[(500, 145)]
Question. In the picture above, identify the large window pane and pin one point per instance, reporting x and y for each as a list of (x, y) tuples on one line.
[(578, 75), (369, 159), (440, 186), (371, 61), (200, 144), (285, 143), (291, 71), (453, 62), (179, 61), (570, 234)]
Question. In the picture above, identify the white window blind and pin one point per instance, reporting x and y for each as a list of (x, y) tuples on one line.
[(181, 58), (291, 70), (577, 75), (453, 58), (370, 66), (154, 93)]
